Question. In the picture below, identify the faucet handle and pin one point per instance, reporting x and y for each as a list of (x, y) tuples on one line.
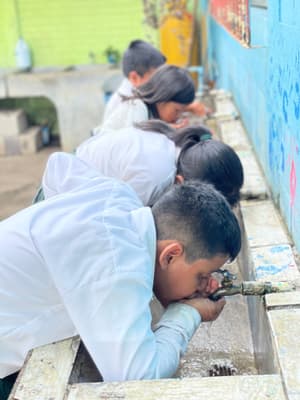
[(228, 277)]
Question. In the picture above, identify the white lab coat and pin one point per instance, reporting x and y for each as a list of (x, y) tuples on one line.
[(125, 115), (124, 89), (82, 263), (145, 160)]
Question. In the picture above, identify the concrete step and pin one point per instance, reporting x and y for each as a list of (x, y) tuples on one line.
[(31, 140), (261, 387), (263, 224), (285, 326), (27, 142), (12, 122)]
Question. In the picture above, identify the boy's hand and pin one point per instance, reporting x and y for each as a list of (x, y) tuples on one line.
[(209, 310), (198, 108), (181, 123)]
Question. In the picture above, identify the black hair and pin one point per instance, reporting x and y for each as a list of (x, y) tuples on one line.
[(168, 83), (141, 57), (198, 216), (203, 158), (210, 161)]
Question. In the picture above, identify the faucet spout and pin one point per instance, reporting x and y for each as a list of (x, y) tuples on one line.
[(251, 288)]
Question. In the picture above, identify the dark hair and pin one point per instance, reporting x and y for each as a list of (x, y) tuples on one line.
[(141, 56), (203, 158), (199, 217), (168, 83), (210, 161)]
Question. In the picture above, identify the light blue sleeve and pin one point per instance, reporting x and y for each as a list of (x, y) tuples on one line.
[(114, 321), (173, 332)]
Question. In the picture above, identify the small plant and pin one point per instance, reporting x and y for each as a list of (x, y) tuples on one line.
[(112, 55)]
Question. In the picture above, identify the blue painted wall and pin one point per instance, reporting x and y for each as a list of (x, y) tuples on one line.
[(265, 82)]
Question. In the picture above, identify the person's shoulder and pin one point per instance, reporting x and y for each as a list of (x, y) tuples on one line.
[(125, 88)]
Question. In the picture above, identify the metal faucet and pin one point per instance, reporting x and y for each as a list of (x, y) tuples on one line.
[(247, 288)]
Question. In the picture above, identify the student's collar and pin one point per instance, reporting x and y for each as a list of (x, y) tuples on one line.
[(144, 222)]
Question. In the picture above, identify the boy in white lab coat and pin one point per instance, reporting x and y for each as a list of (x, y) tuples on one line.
[(87, 261)]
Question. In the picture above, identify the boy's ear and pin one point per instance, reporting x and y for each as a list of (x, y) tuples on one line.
[(134, 78), (179, 179), (169, 253)]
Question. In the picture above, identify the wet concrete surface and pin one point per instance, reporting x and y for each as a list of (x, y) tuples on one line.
[(225, 344), (20, 176)]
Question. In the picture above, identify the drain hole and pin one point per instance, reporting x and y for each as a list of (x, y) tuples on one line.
[(222, 369)]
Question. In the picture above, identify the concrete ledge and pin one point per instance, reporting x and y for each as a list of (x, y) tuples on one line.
[(224, 106), (3, 85), (270, 258), (262, 387), (231, 131), (31, 140), (285, 327), (280, 300), (275, 263), (254, 183), (263, 224), (12, 122), (47, 371), (77, 95)]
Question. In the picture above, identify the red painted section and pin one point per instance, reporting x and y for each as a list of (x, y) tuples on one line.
[(234, 16)]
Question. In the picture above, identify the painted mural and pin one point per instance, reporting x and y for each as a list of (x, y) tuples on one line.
[(234, 16), (265, 82)]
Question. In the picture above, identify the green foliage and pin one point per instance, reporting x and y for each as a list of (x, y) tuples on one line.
[(113, 55)]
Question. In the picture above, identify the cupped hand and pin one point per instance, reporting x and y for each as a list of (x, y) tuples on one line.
[(181, 123), (208, 309), (198, 108)]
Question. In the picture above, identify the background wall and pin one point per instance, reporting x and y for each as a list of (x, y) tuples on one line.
[(66, 32), (265, 82)]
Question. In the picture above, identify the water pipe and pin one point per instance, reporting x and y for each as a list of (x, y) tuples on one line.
[(248, 288)]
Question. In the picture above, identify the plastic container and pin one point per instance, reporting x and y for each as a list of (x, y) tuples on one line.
[(23, 56)]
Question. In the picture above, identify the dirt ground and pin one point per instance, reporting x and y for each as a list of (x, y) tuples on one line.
[(20, 177)]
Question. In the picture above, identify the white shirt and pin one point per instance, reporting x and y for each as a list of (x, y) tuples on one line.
[(125, 115), (82, 263), (124, 89), (145, 160)]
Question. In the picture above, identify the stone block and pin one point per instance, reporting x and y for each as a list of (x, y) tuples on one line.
[(225, 108), (287, 299), (233, 133), (9, 145), (285, 325), (31, 140), (12, 122), (275, 264), (254, 181), (263, 224), (255, 387)]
